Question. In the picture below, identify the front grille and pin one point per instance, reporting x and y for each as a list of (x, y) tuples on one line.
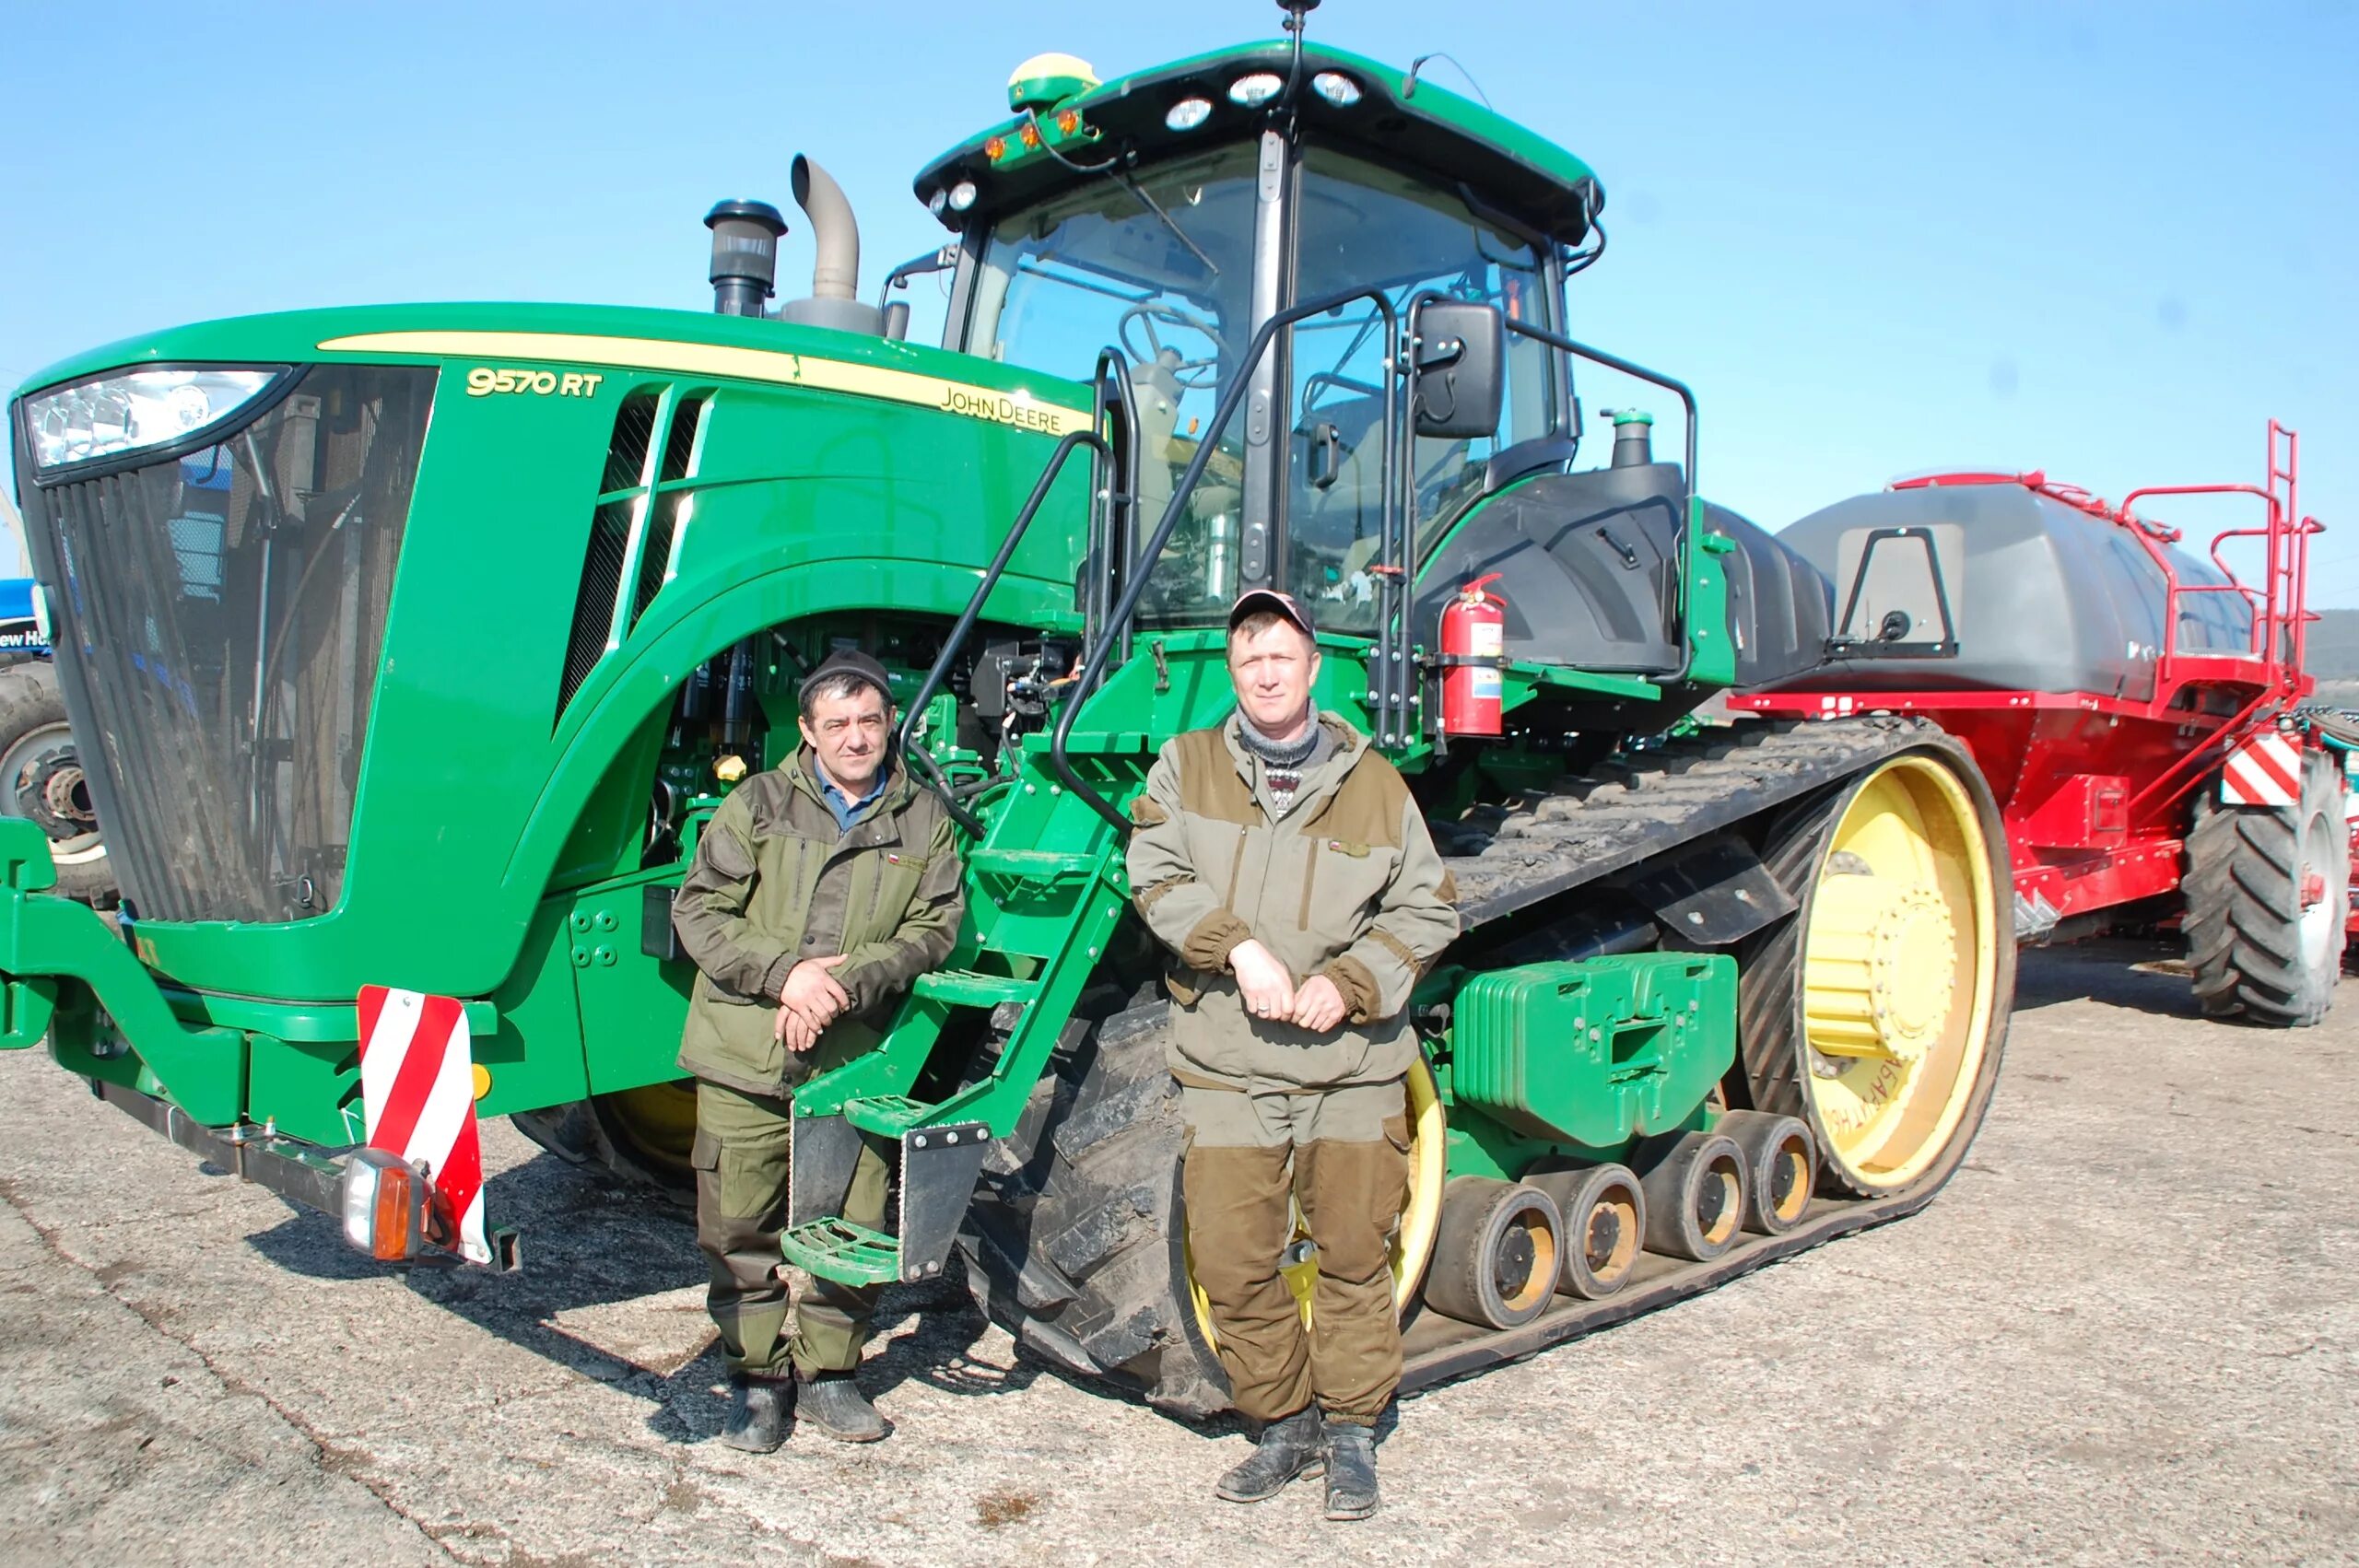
[(219, 619)]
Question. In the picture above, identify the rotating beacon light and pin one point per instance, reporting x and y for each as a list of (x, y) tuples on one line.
[(744, 255), (1474, 646)]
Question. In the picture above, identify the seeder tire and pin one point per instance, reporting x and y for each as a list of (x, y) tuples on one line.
[(2258, 950)]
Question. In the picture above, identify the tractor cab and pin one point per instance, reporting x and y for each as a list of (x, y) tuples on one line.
[(1166, 219)]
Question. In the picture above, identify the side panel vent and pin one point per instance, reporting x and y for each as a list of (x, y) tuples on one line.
[(671, 505), (593, 607), (606, 556)]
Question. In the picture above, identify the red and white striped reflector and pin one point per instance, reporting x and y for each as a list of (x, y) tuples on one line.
[(2264, 771), (417, 1100)]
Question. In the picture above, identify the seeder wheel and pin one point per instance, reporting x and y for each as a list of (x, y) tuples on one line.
[(2268, 891), (1876, 1013), (1604, 1214)]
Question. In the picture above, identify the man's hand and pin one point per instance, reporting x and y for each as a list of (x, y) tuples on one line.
[(1264, 982), (795, 1031), (1318, 1005), (810, 1001)]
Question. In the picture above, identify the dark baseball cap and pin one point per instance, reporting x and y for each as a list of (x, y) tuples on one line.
[(1254, 600), (846, 662)]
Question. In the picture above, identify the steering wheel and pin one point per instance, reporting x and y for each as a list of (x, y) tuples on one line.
[(1189, 373)]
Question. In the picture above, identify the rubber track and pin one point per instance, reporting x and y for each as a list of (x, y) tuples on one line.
[(1643, 804), (1072, 1246), (2243, 919)]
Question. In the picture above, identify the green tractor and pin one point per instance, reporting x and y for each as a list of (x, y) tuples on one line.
[(413, 646)]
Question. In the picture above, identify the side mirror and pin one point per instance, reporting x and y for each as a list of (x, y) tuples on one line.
[(1461, 370)]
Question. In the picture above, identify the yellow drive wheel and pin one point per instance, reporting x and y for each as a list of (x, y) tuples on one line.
[(1877, 1013), (1412, 1244)]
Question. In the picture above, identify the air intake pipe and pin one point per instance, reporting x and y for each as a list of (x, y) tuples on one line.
[(835, 271), (744, 255), (1633, 437)]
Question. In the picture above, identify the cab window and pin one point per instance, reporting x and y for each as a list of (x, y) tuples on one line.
[(1359, 225)]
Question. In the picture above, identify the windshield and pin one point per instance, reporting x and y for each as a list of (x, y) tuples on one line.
[(1160, 264)]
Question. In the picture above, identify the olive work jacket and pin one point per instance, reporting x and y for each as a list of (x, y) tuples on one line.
[(1347, 883), (775, 882)]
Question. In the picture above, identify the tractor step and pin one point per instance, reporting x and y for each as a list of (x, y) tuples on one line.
[(971, 988), (1031, 868), (887, 1116), (841, 1250)]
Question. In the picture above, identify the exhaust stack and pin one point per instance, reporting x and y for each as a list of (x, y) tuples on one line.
[(835, 271)]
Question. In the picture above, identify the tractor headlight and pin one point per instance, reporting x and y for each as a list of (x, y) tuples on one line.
[(1256, 90), (135, 410), (1187, 114), (1336, 89)]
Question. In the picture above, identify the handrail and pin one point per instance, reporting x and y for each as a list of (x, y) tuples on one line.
[(1134, 588), (973, 611), (1684, 543)]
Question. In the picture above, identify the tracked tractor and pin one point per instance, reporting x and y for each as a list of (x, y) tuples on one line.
[(414, 646)]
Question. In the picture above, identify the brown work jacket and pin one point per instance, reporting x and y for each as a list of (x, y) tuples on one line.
[(1345, 884)]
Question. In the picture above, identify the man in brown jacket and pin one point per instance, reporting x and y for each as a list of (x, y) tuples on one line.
[(820, 890), (1285, 866)]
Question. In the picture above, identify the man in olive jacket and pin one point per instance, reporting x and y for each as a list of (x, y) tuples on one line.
[(1291, 875), (820, 890)]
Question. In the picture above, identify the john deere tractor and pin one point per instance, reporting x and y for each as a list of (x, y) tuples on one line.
[(414, 646)]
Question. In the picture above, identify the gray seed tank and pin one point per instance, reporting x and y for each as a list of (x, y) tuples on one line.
[(2041, 596)]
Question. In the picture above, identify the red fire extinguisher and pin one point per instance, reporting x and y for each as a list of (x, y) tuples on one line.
[(1473, 636)]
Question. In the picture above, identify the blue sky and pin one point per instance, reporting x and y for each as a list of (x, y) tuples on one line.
[(2109, 240)]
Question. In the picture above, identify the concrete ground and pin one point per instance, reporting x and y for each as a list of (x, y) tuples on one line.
[(2128, 1332)]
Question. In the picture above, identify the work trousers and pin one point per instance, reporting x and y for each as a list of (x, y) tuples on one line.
[(1342, 1159), (741, 1159)]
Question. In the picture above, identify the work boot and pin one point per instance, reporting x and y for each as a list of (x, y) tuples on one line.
[(833, 1403), (1351, 1471), (1288, 1449), (758, 1410)]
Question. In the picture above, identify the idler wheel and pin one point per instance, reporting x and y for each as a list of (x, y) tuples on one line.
[(1696, 1193), (1496, 1253), (1604, 1213), (1780, 1166)]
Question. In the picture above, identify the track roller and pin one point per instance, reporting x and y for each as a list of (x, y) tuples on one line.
[(1495, 1253), (1780, 1165), (1696, 1193), (1604, 1213)]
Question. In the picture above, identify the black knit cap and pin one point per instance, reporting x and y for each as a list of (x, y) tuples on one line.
[(848, 661)]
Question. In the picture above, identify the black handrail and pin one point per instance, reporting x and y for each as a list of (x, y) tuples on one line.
[(973, 611), (1094, 665), (1684, 542)]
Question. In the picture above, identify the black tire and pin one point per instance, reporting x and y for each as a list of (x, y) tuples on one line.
[(2246, 866), (1075, 1243), (41, 780), (1772, 1043)]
